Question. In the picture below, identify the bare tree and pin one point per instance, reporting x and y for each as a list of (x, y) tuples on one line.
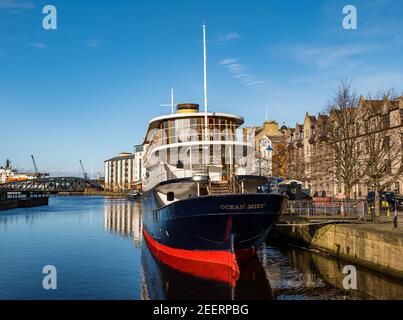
[(381, 135), (280, 161), (294, 165), (342, 156)]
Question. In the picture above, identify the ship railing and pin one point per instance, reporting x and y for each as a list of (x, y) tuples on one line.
[(200, 171), (195, 134), (163, 173), (237, 187)]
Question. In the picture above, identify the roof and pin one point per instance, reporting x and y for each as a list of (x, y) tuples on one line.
[(378, 104), (322, 117), (122, 156)]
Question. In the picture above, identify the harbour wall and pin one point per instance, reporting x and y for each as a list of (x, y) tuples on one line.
[(23, 203), (378, 247)]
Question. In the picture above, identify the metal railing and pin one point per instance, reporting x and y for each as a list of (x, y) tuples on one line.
[(327, 208), (195, 133)]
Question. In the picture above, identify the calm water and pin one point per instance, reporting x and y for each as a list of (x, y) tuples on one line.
[(96, 245)]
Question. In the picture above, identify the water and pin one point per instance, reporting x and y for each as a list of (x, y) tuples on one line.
[(97, 247)]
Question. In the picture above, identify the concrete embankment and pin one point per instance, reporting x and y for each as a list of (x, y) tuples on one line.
[(370, 284), (376, 246), (8, 204)]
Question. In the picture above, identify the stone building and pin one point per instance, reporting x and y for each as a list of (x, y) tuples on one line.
[(307, 145), (269, 146)]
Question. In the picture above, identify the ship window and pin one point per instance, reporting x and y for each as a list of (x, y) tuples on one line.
[(182, 130), (200, 128), (170, 196), (171, 131), (166, 132)]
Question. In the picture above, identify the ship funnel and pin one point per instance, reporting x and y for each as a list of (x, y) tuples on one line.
[(187, 108)]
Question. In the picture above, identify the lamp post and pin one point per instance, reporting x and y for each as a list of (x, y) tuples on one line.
[(266, 144), (395, 223)]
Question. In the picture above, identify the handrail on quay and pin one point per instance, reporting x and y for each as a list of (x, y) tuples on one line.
[(327, 209)]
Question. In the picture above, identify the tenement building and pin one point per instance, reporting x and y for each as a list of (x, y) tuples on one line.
[(269, 147), (349, 151)]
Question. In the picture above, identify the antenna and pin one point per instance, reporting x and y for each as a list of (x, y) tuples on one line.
[(172, 105), (205, 83), (266, 113)]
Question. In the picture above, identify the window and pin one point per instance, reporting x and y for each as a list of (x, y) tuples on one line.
[(171, 131), (386, 121), (388, 167), (386, 143)]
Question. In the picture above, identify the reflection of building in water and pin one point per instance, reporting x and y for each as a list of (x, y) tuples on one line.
[(124, 218)]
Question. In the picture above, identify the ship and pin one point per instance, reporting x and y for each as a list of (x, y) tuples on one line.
[(204, 209)]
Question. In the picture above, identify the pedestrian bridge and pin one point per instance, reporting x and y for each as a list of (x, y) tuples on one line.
[(50, 185)]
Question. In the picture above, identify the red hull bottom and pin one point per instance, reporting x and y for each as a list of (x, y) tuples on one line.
[(217, 265)]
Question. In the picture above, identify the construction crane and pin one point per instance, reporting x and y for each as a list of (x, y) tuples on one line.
[(37, 174), (84, 173)]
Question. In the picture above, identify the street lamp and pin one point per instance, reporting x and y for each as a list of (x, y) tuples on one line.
[(395, 223), (264, 143)]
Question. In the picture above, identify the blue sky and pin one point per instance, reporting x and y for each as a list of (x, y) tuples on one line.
[(87, 90)]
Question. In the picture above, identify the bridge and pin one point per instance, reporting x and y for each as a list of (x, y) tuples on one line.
[(50, 185)]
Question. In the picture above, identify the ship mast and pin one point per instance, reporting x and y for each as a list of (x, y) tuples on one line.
[(205, 84), (172, 105), (172, 101)]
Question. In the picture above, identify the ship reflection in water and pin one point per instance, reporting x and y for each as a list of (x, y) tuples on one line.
[(279, 272), (165, 283)]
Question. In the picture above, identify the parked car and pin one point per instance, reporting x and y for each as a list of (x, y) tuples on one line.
[(399, 202)]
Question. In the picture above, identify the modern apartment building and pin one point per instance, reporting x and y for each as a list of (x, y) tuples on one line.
[(125, 170)]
